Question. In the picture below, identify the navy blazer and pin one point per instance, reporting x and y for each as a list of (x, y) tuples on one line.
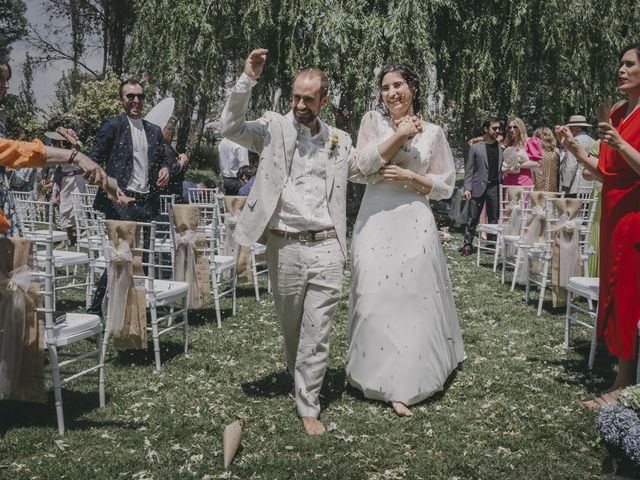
[(113, 148)]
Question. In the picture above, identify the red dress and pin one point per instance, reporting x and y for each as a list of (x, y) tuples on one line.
[(619, 305)]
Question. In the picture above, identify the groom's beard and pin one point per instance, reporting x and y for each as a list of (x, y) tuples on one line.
[(306, 118)]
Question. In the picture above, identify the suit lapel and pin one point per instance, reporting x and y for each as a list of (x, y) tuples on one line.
[(483, 154), (128, 140), (148, 133), (289, 137), (331, 158)]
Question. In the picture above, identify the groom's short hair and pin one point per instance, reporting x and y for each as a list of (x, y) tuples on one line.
[(319, 74)]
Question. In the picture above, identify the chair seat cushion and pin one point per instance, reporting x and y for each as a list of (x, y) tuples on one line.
[(511, 238), (64, 258), (76, 326), (587, 287), (168, 290), (489, 228), (223, 262)]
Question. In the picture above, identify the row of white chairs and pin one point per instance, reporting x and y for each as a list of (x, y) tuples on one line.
[(509, 247)]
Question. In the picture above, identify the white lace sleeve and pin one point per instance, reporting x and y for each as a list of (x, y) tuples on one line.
[(366, 158), (442, 169)]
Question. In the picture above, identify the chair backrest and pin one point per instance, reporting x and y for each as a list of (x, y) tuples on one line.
[(165, 201), (507, 202), (35, 216), (88, 223), (23, 195), (91, 189), (147, 250), (203, 195), (534, 225)]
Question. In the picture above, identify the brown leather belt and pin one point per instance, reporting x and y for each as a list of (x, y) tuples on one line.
[(137, 196), (308, 236)]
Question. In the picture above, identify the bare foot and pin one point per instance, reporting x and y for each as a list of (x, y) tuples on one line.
[(313, 426), (401, 409), (607, 399)]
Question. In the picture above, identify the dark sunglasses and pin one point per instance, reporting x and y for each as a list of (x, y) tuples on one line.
[(512, 127), (495, 129), (131, 96)]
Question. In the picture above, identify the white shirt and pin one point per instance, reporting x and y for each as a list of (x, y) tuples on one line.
[(303, 202), (139, 181), (232, 157)]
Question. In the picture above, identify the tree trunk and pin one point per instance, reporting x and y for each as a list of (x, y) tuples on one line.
[(198, 126)]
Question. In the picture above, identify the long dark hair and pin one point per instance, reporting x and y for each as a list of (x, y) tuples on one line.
[(410, 76)]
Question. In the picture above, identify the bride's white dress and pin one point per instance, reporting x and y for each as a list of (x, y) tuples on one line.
[(404, 333)]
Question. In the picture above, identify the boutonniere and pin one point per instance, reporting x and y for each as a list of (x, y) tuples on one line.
[(333, 141)]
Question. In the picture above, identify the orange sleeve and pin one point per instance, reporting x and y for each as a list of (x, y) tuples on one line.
[(15, 154)]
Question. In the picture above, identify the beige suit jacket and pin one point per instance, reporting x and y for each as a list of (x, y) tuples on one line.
[(274, 137)]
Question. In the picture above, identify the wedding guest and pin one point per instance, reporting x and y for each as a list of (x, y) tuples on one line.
[(571, 177), (528, 147), (232, 156), (246, 175), (404, 336), (618, 168), (132, 151), (546, 177), (482, 180)]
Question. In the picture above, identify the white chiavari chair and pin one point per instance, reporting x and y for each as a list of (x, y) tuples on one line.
[(62, 331), (39, 220), (158, 293)]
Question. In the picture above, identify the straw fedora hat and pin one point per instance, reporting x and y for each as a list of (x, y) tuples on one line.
[(577, 121)]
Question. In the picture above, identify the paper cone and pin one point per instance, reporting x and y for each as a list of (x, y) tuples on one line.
[(112, 189), (231, 442), (603, 111)]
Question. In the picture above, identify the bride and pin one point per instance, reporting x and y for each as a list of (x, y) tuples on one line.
[(403, 327)]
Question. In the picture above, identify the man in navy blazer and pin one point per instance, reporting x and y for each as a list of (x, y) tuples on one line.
[(482, 180), (132, 151)]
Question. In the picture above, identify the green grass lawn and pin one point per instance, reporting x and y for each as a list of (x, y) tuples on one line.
[(511, 410)]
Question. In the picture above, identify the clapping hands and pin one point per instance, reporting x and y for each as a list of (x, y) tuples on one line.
[(408, 126)]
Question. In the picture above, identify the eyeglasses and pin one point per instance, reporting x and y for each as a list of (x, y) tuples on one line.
[(131, 96), (396, 86), (512, 127)]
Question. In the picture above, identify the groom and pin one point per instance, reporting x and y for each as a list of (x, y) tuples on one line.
[(298, 204)]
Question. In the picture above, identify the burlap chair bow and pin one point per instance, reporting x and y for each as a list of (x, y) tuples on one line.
[(191, 265), (534, 234), (234, 205), (513, 212), (566, 255), (125, 304), (21, 333)]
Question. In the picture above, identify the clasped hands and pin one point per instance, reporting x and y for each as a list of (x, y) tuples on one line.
[(408, 126)]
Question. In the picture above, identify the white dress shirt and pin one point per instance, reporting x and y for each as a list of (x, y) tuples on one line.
[(139, 181), (232, 156), (303, 202)]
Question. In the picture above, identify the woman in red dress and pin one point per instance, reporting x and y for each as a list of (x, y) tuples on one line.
[(618, 167)]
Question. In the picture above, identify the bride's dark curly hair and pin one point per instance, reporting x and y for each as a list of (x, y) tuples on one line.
[(410, 76)]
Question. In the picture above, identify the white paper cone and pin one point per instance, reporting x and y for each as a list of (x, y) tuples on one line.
[(231, 442), (161, 113)]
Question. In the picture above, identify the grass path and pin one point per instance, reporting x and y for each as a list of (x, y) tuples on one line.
[(510, 411)]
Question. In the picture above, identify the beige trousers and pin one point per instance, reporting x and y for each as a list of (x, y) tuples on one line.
[(307, 285)]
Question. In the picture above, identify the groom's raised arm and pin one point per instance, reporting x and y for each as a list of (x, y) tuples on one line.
[(233, 122)]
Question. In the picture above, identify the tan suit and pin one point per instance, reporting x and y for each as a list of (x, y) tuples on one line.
[(306, 276)]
